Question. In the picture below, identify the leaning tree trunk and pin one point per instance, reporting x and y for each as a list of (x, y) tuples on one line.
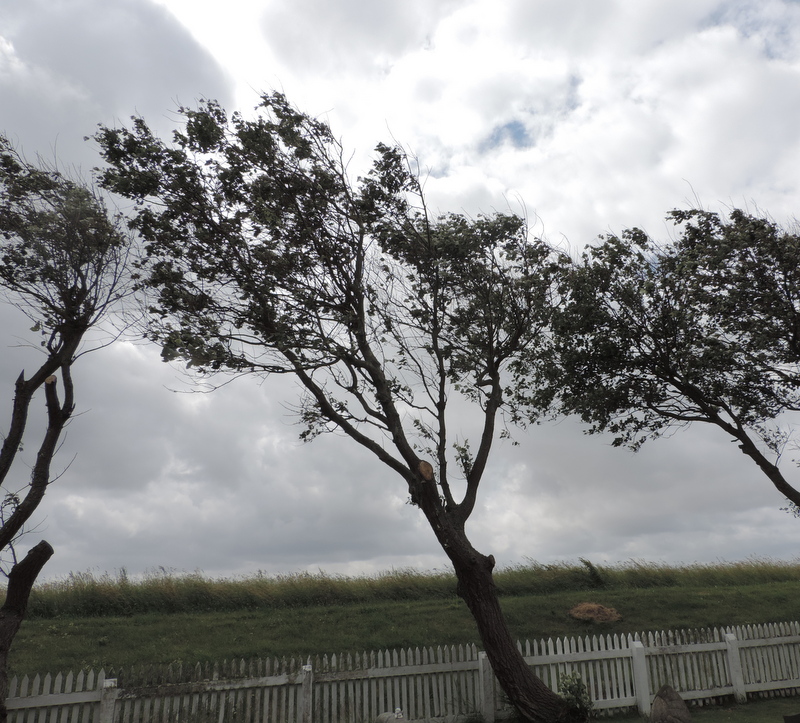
[(528, 694), (20, 582)]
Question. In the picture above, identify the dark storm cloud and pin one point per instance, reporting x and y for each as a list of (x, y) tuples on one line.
[(66, 66), (218, 481)]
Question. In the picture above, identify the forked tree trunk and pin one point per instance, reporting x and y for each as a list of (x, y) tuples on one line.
[(20, 582), (528, 694)]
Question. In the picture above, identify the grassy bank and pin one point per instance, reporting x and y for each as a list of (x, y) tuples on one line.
[(91, 621)]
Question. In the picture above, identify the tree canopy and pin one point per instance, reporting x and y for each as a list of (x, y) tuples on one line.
[(704, 329), (62, 263), (265, 257)]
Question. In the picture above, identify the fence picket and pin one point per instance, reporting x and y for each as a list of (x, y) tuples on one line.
[(601, 670), (418, 706)]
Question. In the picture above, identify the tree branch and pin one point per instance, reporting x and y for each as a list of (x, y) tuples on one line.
[(40, 477)]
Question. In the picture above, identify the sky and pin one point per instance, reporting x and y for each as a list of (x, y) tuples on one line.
[(587, 116)]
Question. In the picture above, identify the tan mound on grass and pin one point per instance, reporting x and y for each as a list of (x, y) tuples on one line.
[(594, 613)]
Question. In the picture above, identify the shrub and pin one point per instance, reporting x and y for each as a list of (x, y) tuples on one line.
[(573, 690)]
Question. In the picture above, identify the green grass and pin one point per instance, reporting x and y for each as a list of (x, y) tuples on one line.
[(769, 710), (91, 621)]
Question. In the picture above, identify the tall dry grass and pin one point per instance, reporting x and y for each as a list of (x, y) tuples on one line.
[(91, 595)]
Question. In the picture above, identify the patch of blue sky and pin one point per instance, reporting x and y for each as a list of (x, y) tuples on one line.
[(772, 28), (513, 133)]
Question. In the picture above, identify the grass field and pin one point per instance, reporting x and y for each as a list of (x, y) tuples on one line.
[(93, 621)]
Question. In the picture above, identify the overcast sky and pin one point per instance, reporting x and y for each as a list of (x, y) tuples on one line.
[(587, 115)]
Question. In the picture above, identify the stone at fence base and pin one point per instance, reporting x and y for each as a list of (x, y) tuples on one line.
[(669, 707), (390, 717)]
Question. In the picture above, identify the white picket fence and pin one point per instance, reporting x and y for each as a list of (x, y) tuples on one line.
[(443, 684)]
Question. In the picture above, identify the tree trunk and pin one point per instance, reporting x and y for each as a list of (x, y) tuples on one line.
[(528, 694), (20, 582)]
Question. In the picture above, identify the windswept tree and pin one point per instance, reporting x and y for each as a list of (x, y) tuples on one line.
[(703, 329), (62, 263), (264, 258)]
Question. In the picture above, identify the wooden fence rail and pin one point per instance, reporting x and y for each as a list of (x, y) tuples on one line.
[(443, 683)]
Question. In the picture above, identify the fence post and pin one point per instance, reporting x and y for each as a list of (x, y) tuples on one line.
[(108, 700), (641, 679), (735, 667), (306, 693), (486, 684)]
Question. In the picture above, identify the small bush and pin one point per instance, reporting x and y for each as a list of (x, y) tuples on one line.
[(574, 691), (595, 578)]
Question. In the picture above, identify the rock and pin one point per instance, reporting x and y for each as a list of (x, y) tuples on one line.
[(668, 707), (592, 612), (390, 717)]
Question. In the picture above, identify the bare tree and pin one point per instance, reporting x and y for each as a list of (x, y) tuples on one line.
[(63, 264)]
